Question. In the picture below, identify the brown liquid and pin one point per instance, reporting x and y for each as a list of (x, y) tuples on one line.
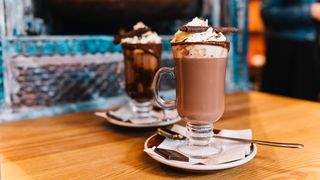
[(140, 68), (200, 89)]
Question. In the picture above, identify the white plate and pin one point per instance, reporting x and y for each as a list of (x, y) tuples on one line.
[(129, 124), (200, 168)]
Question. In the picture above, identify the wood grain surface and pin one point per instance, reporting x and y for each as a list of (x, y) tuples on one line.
[(83, 146)]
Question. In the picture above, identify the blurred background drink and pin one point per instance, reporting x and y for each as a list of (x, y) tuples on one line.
[(142, 50)]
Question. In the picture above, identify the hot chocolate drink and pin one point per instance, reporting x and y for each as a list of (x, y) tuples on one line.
[(142, 58), (200, 68), (200, 58), (200, 88), (141, 63)]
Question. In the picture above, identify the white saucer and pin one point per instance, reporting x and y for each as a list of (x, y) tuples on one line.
[(155, 140), (129, 124)]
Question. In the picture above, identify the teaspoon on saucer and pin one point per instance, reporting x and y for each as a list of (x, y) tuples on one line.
[(176, 136)]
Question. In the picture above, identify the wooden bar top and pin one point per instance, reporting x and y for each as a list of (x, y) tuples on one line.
[(83, 146)]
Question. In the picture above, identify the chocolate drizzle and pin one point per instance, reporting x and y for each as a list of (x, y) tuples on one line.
[(154, 49), (224, 44), (138, 32), (197, 29)]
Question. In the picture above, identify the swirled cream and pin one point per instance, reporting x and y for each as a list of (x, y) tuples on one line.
[(149, 37)]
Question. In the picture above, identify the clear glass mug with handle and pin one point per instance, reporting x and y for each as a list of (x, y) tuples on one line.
[(200, 83), (141, 62)]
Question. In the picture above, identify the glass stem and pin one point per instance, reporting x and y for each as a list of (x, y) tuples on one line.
[(200, 135), (143, 109)]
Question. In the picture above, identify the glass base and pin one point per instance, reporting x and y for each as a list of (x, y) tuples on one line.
[(201, 152), (200, 144), (143, 110)]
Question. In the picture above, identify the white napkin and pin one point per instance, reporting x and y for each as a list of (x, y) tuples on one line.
[(231, 150), (126, 114)]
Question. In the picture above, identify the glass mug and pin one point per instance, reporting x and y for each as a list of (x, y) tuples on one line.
[(199, 100), (141, 62)]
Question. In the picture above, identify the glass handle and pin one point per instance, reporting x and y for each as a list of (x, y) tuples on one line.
[(165, 104), (120, 71)]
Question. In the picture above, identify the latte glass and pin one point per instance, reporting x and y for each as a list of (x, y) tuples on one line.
[(141, 63), (199, 100)]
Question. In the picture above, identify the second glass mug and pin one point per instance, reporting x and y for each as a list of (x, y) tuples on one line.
[(141, 63), (199, 101)]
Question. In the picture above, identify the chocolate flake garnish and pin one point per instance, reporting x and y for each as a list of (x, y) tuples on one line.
[(216, 131), (195, 29), (156, 108), (171, 154), (227, 29), (138, 32)]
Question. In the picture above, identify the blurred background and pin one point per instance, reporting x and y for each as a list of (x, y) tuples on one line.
[(256, 54), (58, 55)]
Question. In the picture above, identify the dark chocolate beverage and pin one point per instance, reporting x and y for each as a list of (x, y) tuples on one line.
[(142, 61), (200, 88)]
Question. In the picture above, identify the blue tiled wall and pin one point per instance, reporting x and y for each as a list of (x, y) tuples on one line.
[(36, 48), (1, 78)]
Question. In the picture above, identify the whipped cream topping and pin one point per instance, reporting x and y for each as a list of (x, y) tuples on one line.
[(206, 36), (199, 50), (146, 38), (139, 25), (198, 22)]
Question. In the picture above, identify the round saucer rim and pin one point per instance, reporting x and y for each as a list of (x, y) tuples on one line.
[(203, 167), (126, 124)]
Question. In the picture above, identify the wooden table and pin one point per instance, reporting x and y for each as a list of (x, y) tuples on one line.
[(83, 146)]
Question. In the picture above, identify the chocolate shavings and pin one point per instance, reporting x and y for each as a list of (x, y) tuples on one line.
[(138, 32), (197, 29)]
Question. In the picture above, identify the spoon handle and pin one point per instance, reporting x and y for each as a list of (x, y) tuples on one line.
[(266, 143)]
